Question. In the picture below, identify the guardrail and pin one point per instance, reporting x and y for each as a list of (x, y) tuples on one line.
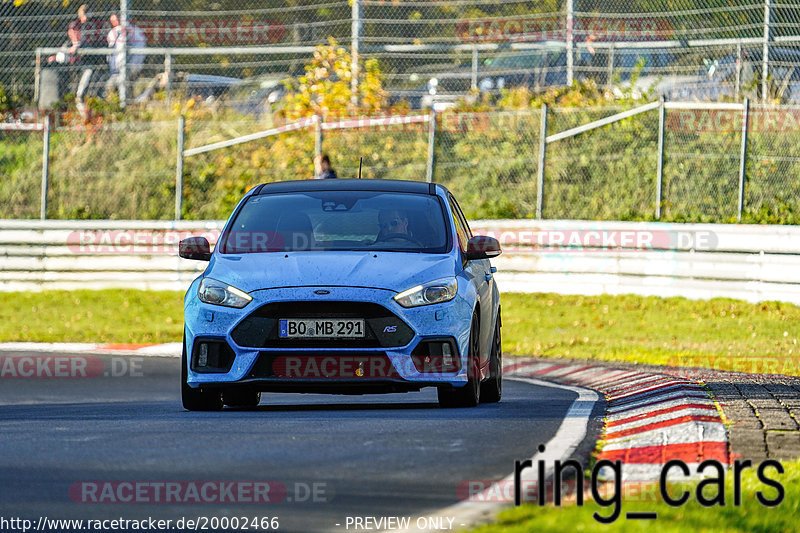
[(747, 262)]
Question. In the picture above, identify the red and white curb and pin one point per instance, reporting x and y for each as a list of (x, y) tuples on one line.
[(170, 349), (650, 418)]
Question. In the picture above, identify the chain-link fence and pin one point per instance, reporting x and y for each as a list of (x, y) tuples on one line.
[(702, 162), (430, 51), (489, 161), (582, 174), (21, 157), (670, 161)]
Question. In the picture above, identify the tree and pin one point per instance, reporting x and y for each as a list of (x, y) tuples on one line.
[(325, 88)]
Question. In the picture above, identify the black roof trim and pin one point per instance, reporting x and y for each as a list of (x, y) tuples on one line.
[(419, 187)]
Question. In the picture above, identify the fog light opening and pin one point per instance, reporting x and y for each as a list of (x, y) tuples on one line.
[(436, 356), (211, 355)]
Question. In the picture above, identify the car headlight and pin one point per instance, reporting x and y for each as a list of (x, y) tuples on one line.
[(433, 292), (216, 292)]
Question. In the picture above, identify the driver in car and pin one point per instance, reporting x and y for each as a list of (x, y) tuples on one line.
[(393, 225)]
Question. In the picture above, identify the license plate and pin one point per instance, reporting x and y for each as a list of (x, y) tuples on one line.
[(321, 328)]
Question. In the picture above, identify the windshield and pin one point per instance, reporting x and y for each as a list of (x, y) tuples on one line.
[(339, 220), (531, 60)]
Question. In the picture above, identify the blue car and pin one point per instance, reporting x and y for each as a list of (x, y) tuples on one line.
[(345, 287)]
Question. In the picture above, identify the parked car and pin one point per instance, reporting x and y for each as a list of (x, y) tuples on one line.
[(257, 96), (444, 84), (715, 78), (203, 86), (342, 286), (536, 69)]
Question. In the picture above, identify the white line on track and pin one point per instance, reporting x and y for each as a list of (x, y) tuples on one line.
[(568, 437)]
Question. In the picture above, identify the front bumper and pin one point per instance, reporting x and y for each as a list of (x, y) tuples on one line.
[(385, 366)]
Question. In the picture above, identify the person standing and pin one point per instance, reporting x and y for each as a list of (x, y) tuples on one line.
[(323, 168), (118, 37), (83, 33)]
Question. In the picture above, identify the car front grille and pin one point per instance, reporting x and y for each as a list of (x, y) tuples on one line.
[(383, 329)]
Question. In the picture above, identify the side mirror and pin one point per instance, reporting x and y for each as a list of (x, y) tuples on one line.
[(482, 247), (195, 248)]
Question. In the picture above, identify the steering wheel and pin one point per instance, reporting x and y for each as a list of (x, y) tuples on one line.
[(403, 236)]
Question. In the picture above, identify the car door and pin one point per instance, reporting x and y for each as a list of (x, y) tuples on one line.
[(479, 274)]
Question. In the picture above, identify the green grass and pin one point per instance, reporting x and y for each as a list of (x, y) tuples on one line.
[(726, 334), (750, 517), (124, 316)]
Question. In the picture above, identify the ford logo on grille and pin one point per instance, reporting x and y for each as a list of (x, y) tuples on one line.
[(322, 292)]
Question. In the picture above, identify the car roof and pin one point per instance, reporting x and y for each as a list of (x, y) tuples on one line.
[(419, 187)]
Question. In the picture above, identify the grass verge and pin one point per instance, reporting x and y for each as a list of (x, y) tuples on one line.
[(725, 334), (751, 516), (125, 316)]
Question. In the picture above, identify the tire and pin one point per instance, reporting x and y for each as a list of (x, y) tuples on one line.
[(197, 399), (241, 398), (492, 388), (469, 394)]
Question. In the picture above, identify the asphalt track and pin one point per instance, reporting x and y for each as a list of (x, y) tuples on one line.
[(374, 455)]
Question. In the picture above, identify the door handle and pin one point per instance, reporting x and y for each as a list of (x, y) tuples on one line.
[(487, 276)]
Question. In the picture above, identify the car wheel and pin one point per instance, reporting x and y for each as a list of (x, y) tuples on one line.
[(197, 399), (492, 388), (469, 394), (241, 398)]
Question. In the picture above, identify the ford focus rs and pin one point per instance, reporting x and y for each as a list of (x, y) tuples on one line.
[(346, 287)]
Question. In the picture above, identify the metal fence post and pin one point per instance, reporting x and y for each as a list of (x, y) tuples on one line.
[(743, 156), (431, 147), (123, 66), (570, 42), (179, 168), (765, 59), (45, 167), (738, 69), (542, 159), (317, 136), (37, 76), (355, 41), (474, 74), (610, 80), (660, 169)]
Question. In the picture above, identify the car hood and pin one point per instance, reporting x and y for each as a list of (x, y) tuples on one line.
[(393, 271)]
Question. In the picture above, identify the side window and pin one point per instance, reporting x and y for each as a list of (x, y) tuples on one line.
[(462, 228), (460, 215)]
